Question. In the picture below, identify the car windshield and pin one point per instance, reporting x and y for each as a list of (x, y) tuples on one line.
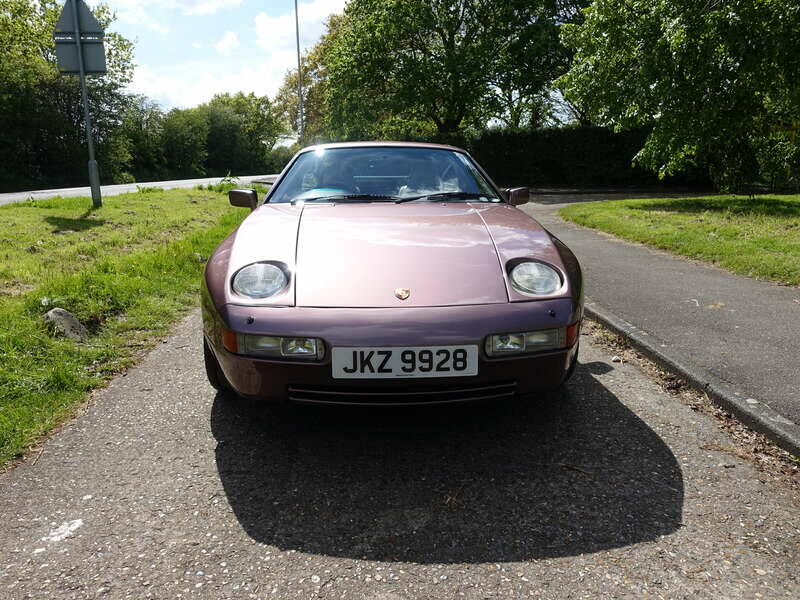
[(383, 174)]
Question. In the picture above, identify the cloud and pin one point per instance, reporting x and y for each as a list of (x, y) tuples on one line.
[(184, 80), (159, 28), (188, 84), (276, 34), (139, 11), (228, 43), (205, 7)]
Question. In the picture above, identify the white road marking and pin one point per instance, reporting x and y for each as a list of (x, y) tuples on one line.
[(66, 530)]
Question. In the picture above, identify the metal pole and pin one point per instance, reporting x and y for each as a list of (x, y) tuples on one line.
[(299, 76), (94, 174)]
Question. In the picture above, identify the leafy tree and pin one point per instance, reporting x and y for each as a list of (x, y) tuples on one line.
[(424, 60), (143, 127), (530, 59), (41, 118), (447, 64), (184, 138), (242, 130), (225, 139), (718, 81)]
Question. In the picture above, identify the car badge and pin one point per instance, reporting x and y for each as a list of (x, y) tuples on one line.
[(402, 293)]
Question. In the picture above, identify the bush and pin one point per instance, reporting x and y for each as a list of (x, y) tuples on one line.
[(279, 157), (125, 177)]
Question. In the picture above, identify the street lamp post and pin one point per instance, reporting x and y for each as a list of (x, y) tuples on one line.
[(299, 76)]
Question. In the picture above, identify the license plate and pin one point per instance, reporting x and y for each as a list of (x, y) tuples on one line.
[(398, 362)]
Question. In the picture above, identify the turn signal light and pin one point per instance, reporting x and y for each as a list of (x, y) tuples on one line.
[(573, 331), (229, 341)]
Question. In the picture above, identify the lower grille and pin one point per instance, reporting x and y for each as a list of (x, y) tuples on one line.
[(385, 395)]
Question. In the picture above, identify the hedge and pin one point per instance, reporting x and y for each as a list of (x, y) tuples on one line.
[(570, 156)]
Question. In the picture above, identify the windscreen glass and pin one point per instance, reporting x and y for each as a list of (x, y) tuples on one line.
[(384, 174)]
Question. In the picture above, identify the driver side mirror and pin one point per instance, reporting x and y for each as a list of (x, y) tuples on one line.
[(244, 198), (517, 196)]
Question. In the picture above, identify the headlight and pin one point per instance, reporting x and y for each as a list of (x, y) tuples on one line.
[(535, 278), (259, 280)]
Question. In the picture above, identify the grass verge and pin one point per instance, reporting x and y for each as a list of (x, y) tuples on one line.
[(126, 271), (757, 237)]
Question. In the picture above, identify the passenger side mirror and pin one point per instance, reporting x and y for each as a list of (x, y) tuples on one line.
[(244, 198), (517, 196)]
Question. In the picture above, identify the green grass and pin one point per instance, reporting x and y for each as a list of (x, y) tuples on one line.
[(127, 271), (757, 237), (225, 187)]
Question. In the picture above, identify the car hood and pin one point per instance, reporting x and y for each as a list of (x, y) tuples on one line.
[(367, 254), (360, 255)]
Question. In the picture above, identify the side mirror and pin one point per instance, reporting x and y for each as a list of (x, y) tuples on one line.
[(517, 196), (243, 198)]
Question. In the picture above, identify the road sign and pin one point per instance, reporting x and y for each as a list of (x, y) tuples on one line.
[(91, 36), (79, 50)]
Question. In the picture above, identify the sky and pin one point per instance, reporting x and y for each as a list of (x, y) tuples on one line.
[(188, 50)]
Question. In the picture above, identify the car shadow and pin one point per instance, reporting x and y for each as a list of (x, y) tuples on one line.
[(473, 483)]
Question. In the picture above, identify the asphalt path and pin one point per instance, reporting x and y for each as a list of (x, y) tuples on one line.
[(126, 188), (163, 489), (741, 330)]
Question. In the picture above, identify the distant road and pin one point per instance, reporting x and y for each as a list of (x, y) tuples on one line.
[(113, 190)]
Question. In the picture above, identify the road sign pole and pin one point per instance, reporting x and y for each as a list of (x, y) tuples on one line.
[(94, 174)]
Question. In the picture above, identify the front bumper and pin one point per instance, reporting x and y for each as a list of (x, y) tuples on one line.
[(454, 325)]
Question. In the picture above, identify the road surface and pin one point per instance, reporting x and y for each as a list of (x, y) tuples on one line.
[(113, 190), (731, 326), (163, 489)]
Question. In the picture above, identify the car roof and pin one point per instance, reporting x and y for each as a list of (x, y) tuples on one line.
[(380, 145)]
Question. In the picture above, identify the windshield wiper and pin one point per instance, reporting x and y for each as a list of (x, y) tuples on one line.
[(355, 197), (448, 195)]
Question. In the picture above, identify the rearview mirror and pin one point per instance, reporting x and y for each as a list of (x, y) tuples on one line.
[(244, 198), (517, 196)]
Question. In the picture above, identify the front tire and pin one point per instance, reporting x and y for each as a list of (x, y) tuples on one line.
[(558, 395), (214, 372), (571, 367)]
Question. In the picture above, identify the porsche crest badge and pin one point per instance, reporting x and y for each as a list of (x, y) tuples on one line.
[(402, 293)]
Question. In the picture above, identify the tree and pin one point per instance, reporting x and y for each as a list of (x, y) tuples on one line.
[(446, 64), (718, 82), (242, 130), (424, 60), (41, 120), (143, 127), (185, 135), (521, 85)]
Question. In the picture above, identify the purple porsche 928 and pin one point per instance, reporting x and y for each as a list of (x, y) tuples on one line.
[(389, 274)]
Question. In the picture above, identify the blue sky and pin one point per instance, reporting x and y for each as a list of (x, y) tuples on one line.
[(188, 50)]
